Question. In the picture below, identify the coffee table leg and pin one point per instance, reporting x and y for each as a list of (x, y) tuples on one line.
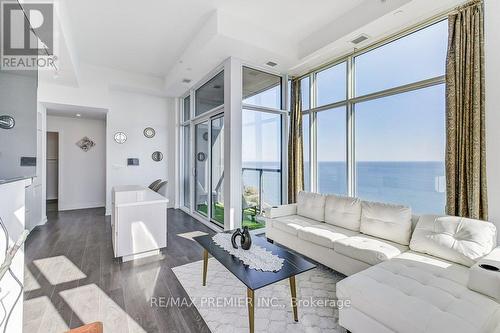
[(205, 266), (251, 308), (293, 291)]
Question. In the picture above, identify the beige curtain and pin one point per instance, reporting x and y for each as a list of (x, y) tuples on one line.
[(465, 114), (295, 145)]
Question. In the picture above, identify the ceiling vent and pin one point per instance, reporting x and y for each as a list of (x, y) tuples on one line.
[(271, 63), (186, 80), (359, 39)]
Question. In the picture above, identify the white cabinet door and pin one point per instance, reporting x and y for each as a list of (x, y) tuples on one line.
[(141, 228)]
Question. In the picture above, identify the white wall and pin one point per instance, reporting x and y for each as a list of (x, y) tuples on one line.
[(131, 113), (492, 63), (82, 175), (35, 194), (19, 141), (133, 102), (52, 165), (12, 208)]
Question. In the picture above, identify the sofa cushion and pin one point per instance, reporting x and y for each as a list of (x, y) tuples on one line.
[(324, 234), (344, 212), (368, 249), (291, 224), (283, 210), (414, 292), (457, 239), (391, 222), (311, 205)]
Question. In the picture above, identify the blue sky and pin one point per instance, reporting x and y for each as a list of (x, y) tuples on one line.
[(404, 127)]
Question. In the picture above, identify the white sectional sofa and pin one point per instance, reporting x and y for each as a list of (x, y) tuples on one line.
[(406, 273)]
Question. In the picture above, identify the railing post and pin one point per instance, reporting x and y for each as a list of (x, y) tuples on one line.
[(261, 186)]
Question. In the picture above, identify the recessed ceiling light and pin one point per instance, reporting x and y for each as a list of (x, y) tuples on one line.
[(186, 80), (78, 115), (271, 63)]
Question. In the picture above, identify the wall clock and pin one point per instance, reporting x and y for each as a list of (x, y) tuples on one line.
[(149, 132), (120, 137)]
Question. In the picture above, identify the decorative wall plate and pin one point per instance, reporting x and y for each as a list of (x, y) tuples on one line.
[(120, 137), (201, 157), (7, 122), (149, 132), (157, 156), (85, 143)]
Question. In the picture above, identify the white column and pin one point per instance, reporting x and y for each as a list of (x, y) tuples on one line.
[(232, 143)]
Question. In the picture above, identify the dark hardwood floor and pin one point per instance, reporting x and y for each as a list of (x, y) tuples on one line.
[(84, 238)]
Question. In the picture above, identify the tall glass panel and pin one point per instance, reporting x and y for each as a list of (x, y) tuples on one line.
[(400, 145), (201, 189), (331, 84), (305, 93), (261, 159), (331, 151), (186, 174), (418, 56), (186, 109), (210, 95), (261, 88), (307, 152), (217, 162)]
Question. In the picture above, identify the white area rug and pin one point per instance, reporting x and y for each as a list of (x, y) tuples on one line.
[(222, 302)]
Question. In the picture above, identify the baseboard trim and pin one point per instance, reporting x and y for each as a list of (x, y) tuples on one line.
[(63, 207)]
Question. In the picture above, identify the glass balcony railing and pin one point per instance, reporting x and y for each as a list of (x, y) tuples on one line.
[(261, 189)]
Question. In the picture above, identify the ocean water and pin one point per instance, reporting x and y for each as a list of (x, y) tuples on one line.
[(420, 185)]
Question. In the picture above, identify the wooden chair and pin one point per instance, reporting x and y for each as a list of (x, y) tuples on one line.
[(89, 328)]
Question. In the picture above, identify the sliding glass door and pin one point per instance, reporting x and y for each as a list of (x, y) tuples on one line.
[(201, 170), (209, 169), (217, 164)]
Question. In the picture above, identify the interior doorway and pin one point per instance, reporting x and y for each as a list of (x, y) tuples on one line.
[(52, 161)]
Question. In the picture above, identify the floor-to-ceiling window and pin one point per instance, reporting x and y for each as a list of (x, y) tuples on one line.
[(186, 153), (210, 95), (217, 180), (331, 151), (201, 168), (262, 123), (376, 122), (202, 150)]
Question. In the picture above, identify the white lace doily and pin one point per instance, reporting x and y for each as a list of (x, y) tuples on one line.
[(256, 257)]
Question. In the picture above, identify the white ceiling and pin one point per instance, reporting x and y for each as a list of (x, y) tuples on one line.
[(71, 111), (148, 36), (177, 39)]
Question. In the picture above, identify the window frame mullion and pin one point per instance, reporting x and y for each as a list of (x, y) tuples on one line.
[(350, 132)]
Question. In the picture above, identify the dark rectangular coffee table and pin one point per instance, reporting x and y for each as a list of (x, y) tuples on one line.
[(254, 279)]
